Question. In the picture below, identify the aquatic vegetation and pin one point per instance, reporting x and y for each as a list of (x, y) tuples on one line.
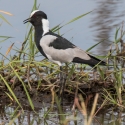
[(25, 77)]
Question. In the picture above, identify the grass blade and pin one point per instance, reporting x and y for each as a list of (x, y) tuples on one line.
[(28, 96), (10, 91), (78, 17), (116, 34), (2, 17), (5, 38), (74, 19), (94, 45), (9, 49), (5, 12)]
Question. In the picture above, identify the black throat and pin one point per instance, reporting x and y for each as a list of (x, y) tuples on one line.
[(38, 36)]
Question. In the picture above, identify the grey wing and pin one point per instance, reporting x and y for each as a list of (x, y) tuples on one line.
[(71, 53), (60, 49)]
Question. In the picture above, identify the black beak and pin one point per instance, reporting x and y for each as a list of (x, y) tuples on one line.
[(27, 20)]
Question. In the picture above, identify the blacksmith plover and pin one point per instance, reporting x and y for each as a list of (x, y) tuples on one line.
[(56, 48)]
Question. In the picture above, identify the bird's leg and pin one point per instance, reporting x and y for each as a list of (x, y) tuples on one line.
[(94, 74), (62, 85)]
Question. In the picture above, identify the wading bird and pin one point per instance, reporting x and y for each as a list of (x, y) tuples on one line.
[(56, 48)]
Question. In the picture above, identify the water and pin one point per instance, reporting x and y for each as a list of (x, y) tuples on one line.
[(106, 117), (99, 24)]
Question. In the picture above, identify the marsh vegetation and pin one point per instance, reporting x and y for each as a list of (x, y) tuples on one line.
[(29, 85)]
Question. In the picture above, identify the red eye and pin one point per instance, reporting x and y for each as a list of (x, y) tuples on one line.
[(34, 16)]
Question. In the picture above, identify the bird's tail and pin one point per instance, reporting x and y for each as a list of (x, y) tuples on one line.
[(94, 61)]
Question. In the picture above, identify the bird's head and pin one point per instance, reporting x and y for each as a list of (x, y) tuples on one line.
[(36, 17)]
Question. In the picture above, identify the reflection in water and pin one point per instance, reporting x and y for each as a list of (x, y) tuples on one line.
[(107, 16), (10, 114)]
